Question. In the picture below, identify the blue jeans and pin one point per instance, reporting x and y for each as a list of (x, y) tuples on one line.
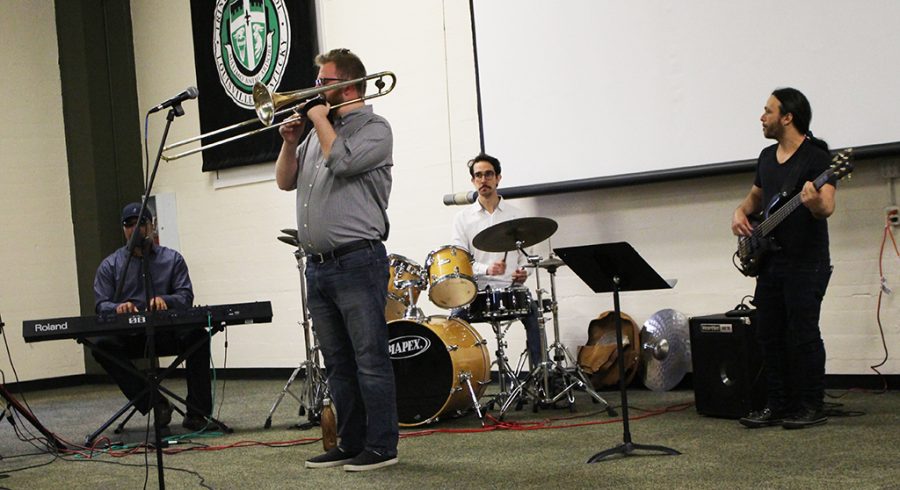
[(788, 299), (346, 298)]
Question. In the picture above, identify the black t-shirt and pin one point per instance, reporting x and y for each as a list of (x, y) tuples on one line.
[(802, 237)]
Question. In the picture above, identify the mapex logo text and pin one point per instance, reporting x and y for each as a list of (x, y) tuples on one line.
[(408, 346), (50, 327)]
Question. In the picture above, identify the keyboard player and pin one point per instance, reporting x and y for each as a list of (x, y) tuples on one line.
[(170, 288)]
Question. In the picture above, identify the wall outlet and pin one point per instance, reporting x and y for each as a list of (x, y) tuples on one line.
[(892, 214)]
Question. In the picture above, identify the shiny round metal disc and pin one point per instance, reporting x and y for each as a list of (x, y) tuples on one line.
[(666, 352), (505, 236)]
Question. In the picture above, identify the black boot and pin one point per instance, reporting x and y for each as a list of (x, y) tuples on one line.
[(763, 418)]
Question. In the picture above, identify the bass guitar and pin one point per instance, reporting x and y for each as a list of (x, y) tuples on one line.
[(753, 249)]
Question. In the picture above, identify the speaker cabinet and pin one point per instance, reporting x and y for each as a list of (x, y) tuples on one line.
[(728, 378)]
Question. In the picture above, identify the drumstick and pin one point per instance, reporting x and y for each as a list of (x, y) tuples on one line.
[(504, 255)]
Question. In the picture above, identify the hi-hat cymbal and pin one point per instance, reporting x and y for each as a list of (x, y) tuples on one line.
[(290, 231), (552, 262), (504, 237)]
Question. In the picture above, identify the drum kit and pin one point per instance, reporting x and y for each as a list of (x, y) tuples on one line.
[(441, 364)]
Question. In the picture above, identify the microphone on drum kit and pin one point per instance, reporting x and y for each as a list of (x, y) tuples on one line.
[(460, 198)]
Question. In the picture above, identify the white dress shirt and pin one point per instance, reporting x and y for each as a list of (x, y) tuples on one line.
[(472, 220)]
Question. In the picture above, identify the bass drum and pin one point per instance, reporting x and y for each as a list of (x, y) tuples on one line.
[(432, 360)]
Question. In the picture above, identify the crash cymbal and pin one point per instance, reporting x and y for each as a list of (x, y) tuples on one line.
[(503, 237), (290, 231), (666, 350), (289, 240)]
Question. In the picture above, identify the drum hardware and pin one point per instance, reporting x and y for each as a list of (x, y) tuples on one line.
[(553, 365), (315, 388), (511, 389)]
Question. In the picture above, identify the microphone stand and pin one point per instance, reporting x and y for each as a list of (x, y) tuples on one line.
[(175, 111)]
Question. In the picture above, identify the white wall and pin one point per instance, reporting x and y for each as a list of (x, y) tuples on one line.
[(681, 228), (37, 246)]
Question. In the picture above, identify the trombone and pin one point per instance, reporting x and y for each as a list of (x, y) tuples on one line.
[(270, 105)]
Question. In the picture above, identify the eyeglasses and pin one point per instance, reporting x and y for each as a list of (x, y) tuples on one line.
[(488, 175), (129, 223), (324, 81)]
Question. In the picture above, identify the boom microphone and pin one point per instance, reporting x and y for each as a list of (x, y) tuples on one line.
[(190, 93), (460, 198)]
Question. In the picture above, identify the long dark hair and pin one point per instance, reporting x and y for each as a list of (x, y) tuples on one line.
[(792, 101)]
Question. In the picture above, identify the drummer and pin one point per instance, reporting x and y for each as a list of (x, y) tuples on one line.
[(498, 270)]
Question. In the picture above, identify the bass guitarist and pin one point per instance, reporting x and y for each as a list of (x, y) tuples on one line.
[(793, 277)]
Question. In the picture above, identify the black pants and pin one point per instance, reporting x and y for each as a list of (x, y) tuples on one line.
[(788, 300), (127, 347)]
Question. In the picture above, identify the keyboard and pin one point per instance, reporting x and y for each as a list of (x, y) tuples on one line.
[(216, 316)]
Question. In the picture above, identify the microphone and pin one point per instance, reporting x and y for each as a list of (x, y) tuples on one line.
[(460, 198), (190, 93)]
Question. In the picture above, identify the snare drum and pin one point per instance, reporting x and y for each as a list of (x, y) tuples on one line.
[(432, 359), (500, 304), (451, 281), (402, 270)]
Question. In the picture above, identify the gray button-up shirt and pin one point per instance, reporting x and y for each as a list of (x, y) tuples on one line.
[(345, 198)]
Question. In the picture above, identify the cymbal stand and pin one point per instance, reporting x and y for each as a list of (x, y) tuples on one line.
[(540, 375), (574, 378), (315, 388)]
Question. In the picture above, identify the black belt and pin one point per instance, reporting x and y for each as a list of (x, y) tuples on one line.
[(340, 251)]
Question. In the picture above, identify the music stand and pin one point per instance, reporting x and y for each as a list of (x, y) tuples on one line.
[(615, 267)]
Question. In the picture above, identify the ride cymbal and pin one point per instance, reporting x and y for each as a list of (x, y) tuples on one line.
[(505, 236)]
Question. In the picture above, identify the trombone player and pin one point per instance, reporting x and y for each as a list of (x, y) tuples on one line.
[(342, 174)]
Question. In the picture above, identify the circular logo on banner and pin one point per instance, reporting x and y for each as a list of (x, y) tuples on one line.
[(251, 43)]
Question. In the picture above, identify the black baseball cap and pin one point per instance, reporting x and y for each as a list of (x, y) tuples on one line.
[(132, 210)]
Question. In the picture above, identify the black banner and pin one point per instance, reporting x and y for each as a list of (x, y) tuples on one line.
[(240, 42)]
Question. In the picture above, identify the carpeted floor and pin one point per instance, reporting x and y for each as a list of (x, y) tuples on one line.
[(547, 450)]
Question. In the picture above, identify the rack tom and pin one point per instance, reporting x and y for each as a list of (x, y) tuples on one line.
[(405, 280), (451, 281)]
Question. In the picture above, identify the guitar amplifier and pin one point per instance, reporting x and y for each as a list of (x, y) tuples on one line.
[(728, 376)]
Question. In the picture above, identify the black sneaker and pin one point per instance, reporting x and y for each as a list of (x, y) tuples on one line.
[(334, 457), (808, 417), (762, 418), (369, 460), (195, 423)]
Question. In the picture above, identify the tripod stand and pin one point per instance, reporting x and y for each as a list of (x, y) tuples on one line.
[(552, 365), (615, 267), (13, 405), (314, 388)]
